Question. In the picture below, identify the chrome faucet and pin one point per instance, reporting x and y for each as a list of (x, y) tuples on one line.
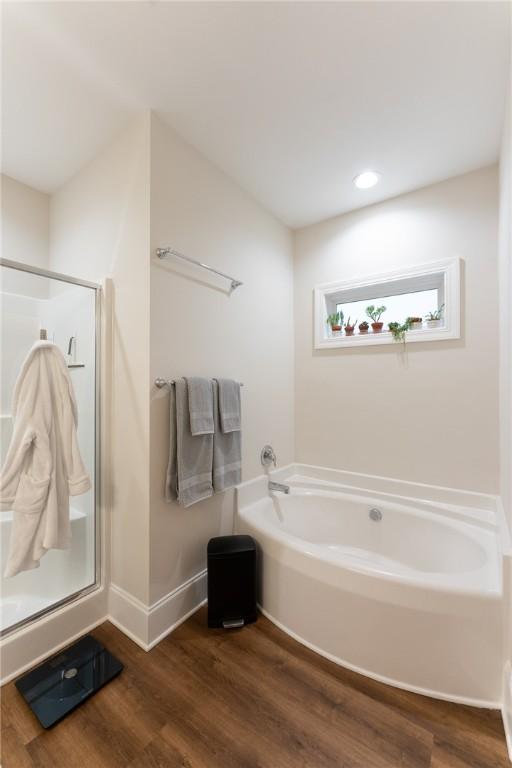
[(272, 486), (268, 456)]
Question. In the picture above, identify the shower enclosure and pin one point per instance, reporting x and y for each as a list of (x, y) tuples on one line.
[(39, 303)]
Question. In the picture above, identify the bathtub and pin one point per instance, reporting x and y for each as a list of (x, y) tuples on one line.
[(399, 581)]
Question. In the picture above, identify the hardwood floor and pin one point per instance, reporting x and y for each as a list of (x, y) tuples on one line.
[(252, 698)]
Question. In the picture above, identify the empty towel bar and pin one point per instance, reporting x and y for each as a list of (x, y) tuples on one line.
[(163, 253)]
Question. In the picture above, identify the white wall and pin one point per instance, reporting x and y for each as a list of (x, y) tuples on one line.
[(100, 227), (505, 297), (432, 417), (198, 329), (505, 285), (25, 234), (25, 223)]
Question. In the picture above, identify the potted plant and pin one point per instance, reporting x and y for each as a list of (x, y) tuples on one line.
[(398, 330), (349, 327), (374, 313), (363, 327), (433, 319), (415, 323), (335, 321)]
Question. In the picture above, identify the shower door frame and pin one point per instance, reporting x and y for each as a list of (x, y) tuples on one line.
[(75, 596)]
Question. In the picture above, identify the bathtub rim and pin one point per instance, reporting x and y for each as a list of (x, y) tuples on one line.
[(472, 507), (485, 509), (443, 583)]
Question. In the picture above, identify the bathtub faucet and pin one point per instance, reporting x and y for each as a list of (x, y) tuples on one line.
[(272, 486)]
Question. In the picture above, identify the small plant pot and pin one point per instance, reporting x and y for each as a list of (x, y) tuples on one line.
[(417, 326), (377, 327), (349, 330), (335, 329), (434, 323), (363, 329)]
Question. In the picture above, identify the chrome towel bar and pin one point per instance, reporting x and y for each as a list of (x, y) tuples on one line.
[(160, 383), (163, 253)]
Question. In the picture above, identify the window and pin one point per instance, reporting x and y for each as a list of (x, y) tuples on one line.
[(410, 292), (398, 307)]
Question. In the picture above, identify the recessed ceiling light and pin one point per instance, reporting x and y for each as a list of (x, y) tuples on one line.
[(366, 179)]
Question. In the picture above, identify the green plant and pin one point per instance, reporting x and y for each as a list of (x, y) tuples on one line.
[(374, 313), (398, 331), (363, 326), (436, 315), (335, 319), (348, 324)]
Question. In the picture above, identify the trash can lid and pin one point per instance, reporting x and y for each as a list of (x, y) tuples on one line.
[(227, 545)]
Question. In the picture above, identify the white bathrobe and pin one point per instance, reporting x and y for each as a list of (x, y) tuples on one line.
[(43, 466)]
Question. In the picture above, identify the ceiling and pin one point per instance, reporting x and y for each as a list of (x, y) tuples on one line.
[(290, 99)]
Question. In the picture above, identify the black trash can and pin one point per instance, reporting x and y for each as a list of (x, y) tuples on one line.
[(231, 581)]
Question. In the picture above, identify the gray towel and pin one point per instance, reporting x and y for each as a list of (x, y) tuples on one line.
[(229, 405), (200, 404), (227, 451), (189, 473)]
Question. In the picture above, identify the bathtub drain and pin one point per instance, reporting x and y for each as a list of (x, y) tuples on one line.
[(375, 515)]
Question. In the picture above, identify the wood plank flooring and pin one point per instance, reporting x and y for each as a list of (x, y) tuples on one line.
[(250, 698)]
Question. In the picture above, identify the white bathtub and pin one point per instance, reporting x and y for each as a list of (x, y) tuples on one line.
[(414, 599)]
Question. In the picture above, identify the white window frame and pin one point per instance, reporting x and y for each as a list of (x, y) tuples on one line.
[(443, 274)]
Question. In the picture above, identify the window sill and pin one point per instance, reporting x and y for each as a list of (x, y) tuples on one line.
[(441, 333)]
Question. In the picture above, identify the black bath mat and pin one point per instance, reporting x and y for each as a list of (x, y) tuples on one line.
[(57, 686)]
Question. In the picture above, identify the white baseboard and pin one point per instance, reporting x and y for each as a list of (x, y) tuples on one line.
[(176, 607), (128, 614), (506, 710), (147, 625)]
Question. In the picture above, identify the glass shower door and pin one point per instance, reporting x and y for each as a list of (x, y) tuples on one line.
[(35, 304)]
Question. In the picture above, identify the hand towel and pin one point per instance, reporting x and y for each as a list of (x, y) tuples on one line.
[(227, 451), (200, 404), (229, 405), (171, 478), (189, 472), (43, 466)]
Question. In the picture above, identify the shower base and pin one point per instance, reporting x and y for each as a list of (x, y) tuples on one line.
[(61, 574), (16, 609)]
